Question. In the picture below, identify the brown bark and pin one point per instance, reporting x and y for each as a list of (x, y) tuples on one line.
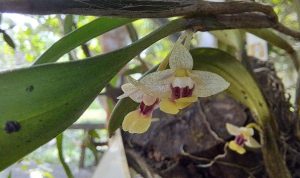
[(232, 13), (131, 8)]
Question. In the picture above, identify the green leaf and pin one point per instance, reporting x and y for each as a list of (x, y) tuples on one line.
[(232, 38), (276, 40), (296, 4), (8, 40), (68, 27), (68, 24), (46, 99), (59, 145), (242, 86), (80, 36)]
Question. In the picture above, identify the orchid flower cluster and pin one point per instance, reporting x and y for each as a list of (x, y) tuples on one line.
[(174, 89), (171, 89)]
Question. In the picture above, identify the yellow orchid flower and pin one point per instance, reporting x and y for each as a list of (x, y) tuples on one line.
[(243, 136), (139, 120), (180, 86)]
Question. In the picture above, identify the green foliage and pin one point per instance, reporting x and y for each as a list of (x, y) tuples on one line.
[(242, 85), (68, 24), (40, 116), (59, 145), (49, 98), (232, 38), (80, 36), (46, 99)]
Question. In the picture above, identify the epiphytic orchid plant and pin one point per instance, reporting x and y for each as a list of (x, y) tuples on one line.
[(52, 96), (173, 89)]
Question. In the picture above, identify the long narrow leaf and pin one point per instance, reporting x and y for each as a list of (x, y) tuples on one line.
[(59, 145), (38, 103), (80, 36), (232, 38)]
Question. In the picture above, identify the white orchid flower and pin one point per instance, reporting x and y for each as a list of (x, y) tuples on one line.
[(180, 86), (173, 88), (139, 120), (243, 136)]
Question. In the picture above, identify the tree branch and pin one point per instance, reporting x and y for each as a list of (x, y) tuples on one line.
[(219, 22), (228, 15), (285, 30), (239, 21), (132, 8)]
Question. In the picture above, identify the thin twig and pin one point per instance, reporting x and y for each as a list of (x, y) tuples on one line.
[(207, 124), (211, 162), (285, 30), (184, 153)]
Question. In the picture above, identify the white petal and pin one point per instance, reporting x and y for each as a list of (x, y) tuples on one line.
[(208, 83), (140, 86), (131, 91), (180, 58), (128, 88), (232, 129), (247, 131), (159, 82), (137, 96), (251, 142), (149, 100), (183, 82)]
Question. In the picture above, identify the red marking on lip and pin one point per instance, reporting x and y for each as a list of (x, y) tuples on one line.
[(145, 109), (240, 140), (178, 92)]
